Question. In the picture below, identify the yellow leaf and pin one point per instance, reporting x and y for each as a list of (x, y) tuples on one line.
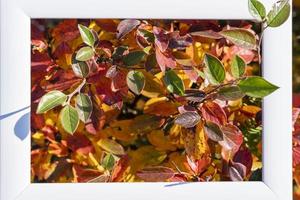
[(197, 52), (196, 143), (146, 123), (111, 146), (121, 130), (153, 86), (160, 141), (143, 156), (178, 160), (39, 138), (161, 106)]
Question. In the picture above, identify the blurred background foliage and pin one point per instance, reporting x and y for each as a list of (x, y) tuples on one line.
[(296, 84)]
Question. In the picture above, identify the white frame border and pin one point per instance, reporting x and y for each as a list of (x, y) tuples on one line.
[(15, 94)]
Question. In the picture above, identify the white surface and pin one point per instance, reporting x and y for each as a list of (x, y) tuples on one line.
[(15, 94)]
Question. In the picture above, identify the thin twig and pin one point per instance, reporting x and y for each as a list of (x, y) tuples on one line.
[(77, 90)]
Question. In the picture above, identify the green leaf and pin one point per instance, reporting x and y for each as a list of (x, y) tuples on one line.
[(257, 9), (213, 131), (133, 58), (81, 69), (84, 107), (111, 146), (174, 83), (51, 100), (135, 81), (230, 93), (238, 66), (256, 86), (69, 119), (279, 13), (108, 162), (84, 54), (86, 35), (240, 37), (214, 70)]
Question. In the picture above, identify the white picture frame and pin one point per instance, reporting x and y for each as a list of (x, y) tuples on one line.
[(15, 102)]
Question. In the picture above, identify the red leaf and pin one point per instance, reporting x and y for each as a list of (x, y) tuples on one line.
[(155, 174), (207, 34), (244, 157), (62, 49), (66, 30), (232, 140), (198, 166), (126, 26), (82, 175), (246, 54), (192, 74), (38, 39), (295, 115), (108, 25), (119, 169), (178, 178), (161, 38), (80, 144), (119, 82), (164, 60), (211, 111), (296, 155)]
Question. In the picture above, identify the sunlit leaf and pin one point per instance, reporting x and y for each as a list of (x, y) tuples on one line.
[(240, 37), (86, 35), (51, 100), (232, 140), (111, 146), (211, 111), (160, 106), (126, 26), (237, 66), (173, 83), (214, 70), (257, 9), (164, 60), (84, 107), (256, 86), (69, 119), (84, 54), (161, 141), (135, 81), (279, 13)]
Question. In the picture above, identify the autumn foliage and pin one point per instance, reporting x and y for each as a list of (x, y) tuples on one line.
[(129, 100)]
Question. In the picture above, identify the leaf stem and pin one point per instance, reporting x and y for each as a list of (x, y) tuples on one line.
[(77, 90)]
